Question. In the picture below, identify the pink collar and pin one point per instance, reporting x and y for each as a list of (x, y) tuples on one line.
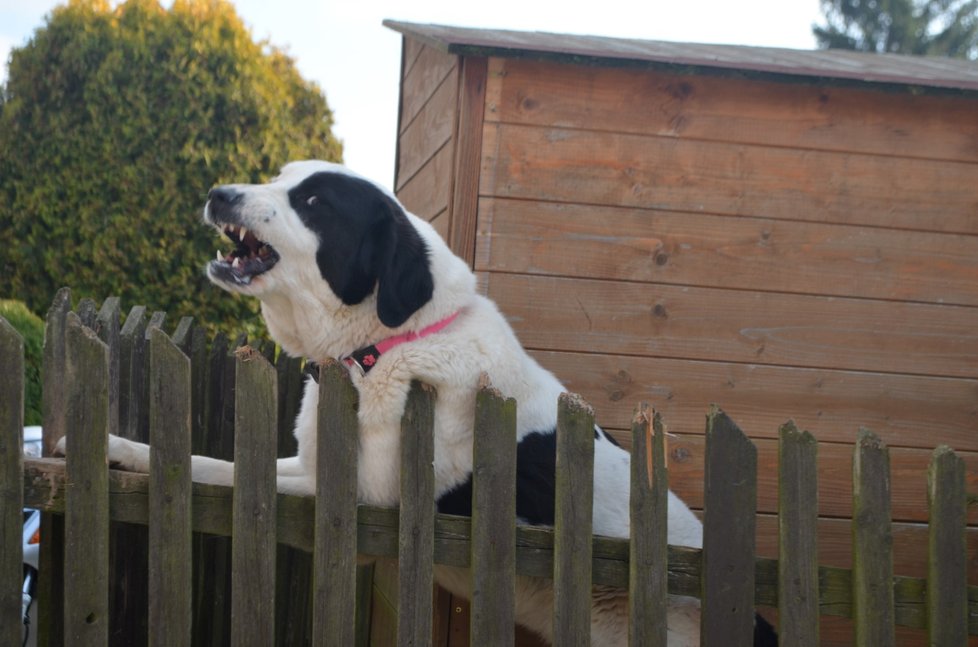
[(366, 357)]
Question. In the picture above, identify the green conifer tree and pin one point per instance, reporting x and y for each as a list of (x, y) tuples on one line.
[(114, 123)]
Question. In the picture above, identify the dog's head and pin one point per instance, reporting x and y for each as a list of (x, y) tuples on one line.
[(320, 218)]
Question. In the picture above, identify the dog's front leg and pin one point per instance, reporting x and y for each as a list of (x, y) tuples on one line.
[(134, 456)]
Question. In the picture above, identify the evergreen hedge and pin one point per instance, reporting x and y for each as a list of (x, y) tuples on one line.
[(31, 328), (114, 123)]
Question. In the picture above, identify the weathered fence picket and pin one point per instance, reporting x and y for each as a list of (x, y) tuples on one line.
[(493, 519), (334, 560), (86, 587), (416, 540), (573, 521), (11, 488), (872, 541), (729, 492), (170, 519), (253, 549), (212, 588), (128, 585), (648, 550), (798, 537), (200, 393), (947, 574), (51, 576)]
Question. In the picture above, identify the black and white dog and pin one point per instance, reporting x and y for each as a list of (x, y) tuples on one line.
[(343, 271)]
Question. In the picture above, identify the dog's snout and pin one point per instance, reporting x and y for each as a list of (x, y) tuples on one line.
[(223, 195)]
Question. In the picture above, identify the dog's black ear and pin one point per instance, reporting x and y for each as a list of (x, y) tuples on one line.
[(404, 281)]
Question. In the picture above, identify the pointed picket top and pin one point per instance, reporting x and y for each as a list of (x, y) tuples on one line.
[(947, 563), (416, 539), (730, 493), (573, 519), (11, 467), (648, 550), (493, 548), (798, 583), (872, 542), (335, 529)]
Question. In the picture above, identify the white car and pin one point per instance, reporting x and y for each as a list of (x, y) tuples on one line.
[(32, 529)]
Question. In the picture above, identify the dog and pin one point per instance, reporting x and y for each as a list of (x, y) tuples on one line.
[(344, 272)]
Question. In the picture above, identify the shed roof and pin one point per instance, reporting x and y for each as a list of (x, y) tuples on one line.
[(928, 73)]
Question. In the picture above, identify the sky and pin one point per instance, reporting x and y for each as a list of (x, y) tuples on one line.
[(343, 47)]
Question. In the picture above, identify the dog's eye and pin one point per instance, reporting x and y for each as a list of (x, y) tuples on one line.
[(312, 200)]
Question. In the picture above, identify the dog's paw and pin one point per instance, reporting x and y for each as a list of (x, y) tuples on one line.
[(123, 454), (128, 455)]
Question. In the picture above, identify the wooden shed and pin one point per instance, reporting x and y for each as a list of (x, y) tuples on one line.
[(788, 234)]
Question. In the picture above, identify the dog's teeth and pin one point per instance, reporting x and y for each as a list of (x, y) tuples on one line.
[(220, 256), (236, 262), (242, 232)]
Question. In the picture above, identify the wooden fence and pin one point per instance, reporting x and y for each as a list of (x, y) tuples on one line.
[(135, 559)]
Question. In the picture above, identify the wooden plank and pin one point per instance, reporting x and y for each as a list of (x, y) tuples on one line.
[(468, 154), (334, 557), (128, 545), (947, 579), (253, 548), (648, 556), (410, 50), (291, 386), (828, 403), (53, 400), (183, 334), (440, 223), (365, 578), (86, 311), (294, 583), (426, 194), (86, 587), (141, 380), (686, 248), (730, 482), (212, 585), (107, 327), (383, 613), (573, 514), (728, 325), (563, 165), (50, 580), (428, 132), (131, 337), (416, 536), (798, 537), (426, 75), (718, 108), (170, 560), (872, 572), (377, 535), (11, 479), (493, 519)]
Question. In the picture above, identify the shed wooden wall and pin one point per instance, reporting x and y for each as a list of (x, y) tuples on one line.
[(785, 250)]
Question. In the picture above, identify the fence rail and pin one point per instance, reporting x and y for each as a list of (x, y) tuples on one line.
[(183, 393)]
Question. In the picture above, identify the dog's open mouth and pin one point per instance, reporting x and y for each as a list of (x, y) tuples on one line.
[(251, 257)]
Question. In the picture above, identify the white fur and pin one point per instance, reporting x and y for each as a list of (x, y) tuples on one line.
[(308, 319)]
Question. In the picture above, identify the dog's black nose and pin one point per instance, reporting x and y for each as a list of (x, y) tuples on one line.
[(223, 194)]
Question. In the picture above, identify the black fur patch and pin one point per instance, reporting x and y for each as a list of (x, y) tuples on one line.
[(365, 242), (536, 463), (764, 634), (599, 433)]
